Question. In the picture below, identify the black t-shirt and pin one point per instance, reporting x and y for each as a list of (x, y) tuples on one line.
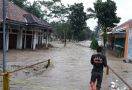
[(98, 61)]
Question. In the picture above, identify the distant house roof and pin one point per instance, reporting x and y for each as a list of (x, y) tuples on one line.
[(15, 13), (31, 19), (124, 25)]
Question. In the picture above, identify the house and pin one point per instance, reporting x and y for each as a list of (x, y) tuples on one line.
[(120, 40), (23, 29)]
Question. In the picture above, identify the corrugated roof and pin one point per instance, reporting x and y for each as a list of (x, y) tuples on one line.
[(124, 25)]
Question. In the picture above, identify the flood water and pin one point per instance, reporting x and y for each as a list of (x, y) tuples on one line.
[(70, 68)]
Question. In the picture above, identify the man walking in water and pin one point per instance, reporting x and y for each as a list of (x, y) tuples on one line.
[(99, 62)]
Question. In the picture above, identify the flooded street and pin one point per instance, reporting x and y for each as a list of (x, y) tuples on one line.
[(70, 68)]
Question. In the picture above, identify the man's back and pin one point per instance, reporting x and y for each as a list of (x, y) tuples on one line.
[(98, 61)]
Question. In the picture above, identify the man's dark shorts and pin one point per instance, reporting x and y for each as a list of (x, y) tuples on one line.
[(97, 76)]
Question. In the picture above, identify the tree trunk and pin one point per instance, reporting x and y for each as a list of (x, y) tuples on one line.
[(72, 37), (64, 38), (104, 39)]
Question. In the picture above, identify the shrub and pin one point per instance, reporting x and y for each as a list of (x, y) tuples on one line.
[(94, 44)]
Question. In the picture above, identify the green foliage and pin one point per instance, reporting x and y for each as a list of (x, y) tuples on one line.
[(106, 13), (57, 29), (85, 34), (71, 28), (35, 9), (64, 28), (55, 9), (20, 3), (94, 44), (60, 29), (92, 13), (74, 26), (77, 19), (59, 12)]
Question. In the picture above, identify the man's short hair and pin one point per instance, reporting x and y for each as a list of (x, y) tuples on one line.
[(99, 49)]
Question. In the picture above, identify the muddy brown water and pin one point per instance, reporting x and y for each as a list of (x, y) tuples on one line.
[(70, 68)]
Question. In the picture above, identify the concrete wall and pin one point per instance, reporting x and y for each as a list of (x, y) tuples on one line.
[(130, 45)]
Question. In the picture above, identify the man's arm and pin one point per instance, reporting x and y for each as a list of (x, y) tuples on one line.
[(105, 65), (105, 61), (92, 62)]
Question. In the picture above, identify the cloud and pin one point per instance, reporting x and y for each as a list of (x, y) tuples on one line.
[(124, 9)]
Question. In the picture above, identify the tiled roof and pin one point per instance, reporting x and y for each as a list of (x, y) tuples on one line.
[(31, 19), (16, 13), (124, 25), (13, 12)]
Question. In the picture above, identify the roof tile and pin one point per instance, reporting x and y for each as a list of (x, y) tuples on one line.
[(16, 13)]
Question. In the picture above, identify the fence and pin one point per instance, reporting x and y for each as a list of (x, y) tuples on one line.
[(6, 75)]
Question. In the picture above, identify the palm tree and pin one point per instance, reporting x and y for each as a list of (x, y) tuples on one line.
[(93, 15), (105, 12)]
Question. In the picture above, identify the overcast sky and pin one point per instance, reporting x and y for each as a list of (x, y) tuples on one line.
[(123, 9)]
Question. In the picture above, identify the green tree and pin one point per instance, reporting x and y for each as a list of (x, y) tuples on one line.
[(55, 9), (59, 29), (35, 9), (58, 33), (105, 12), (85, 34), (94, 44), (77, 19), (58, 11)]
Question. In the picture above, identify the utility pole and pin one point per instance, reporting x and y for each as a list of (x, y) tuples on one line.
[(5, 73), (4, 42)]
